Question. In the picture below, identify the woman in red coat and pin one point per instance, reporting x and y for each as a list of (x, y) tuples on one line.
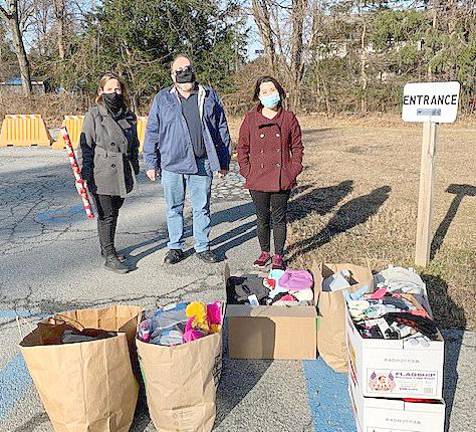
[(270, 157)]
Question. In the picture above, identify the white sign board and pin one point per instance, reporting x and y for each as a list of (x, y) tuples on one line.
[(436, 102)]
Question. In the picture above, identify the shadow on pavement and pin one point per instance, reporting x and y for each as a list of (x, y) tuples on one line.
[(33, 423)]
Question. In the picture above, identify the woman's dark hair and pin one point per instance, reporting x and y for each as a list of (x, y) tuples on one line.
[(279, 87)]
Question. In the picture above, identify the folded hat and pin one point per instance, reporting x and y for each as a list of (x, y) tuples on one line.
[(296, 280)]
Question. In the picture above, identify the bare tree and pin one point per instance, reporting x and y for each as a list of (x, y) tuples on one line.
[(60, 16), (298, 14), (10, 13), (261, 14)]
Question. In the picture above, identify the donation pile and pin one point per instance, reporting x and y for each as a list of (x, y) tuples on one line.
[(180, 323), (278, 288), (397, 309), (395, 355)]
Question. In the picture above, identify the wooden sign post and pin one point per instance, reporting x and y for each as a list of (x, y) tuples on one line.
[(428, 103)]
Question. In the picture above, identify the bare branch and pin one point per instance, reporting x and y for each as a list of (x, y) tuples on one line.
[(5, 13)]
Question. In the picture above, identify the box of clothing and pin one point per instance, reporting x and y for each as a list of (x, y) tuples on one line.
[(331, 280), (396, 415), (395, 348), (271, 316)]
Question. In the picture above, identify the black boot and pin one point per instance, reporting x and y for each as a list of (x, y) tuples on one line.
[(114, 264), (120, 257), (106, 231)]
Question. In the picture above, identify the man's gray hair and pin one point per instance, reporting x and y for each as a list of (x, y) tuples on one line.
[(185, 56)]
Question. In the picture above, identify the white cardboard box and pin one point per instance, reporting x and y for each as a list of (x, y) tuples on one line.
[(395, 415), (394, 368)]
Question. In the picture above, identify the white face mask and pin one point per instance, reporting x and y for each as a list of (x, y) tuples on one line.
[(270, 101)]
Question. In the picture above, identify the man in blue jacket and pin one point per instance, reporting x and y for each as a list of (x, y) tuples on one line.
[(186, 141)]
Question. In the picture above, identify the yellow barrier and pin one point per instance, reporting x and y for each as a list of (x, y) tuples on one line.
[(24, 131), (74, 124), (141, 126)]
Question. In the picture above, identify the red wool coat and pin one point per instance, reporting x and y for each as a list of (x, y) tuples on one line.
[(270, 151)]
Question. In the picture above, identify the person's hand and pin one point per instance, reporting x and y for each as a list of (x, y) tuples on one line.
[(222, 173), (152, 174)]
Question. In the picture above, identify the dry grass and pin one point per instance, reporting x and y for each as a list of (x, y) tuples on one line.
[(357, 202), (52, 107)]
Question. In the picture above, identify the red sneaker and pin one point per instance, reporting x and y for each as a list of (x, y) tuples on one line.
[(278, 263), (263, 260)]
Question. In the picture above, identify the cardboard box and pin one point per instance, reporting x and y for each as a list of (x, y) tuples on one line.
[(395, 415), (271, 332), (395, 368)]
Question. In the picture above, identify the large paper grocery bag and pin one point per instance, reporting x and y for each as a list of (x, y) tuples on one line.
[(87, 386), (181, 383), (331, 342)]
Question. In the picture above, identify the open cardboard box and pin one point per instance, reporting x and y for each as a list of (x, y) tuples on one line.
[(271, 332), (395, 415), (395, 368)]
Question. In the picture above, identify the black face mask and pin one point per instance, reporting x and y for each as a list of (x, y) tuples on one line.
[(186, 75), (113, 101)]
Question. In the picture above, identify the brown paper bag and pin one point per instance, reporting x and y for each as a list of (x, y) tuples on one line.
[(331, 343), (87, 386), (181, 383)]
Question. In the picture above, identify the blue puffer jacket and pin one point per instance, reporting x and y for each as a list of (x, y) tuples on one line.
[(167, 142)]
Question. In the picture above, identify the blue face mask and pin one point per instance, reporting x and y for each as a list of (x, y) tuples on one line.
[(270, 101)]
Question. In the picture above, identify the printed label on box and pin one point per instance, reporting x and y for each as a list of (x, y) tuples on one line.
[(398, 381)]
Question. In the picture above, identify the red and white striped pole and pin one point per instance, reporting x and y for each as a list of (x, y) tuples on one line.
[(79, 181)]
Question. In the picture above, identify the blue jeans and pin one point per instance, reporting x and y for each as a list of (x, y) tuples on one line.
[(199, 186)]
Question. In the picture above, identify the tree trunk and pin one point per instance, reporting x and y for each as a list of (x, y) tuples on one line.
[(60, 15), (297, 61), (13, 20), (261, 16), (435, 5), (363, 65)]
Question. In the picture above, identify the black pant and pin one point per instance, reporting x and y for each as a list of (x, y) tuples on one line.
[(271, 205), (108, 211)]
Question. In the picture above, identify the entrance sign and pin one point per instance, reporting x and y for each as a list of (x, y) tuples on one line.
[(436, 102), (428, 103)]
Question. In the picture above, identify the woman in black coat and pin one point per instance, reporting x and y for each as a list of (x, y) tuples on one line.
[(109, 160)]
